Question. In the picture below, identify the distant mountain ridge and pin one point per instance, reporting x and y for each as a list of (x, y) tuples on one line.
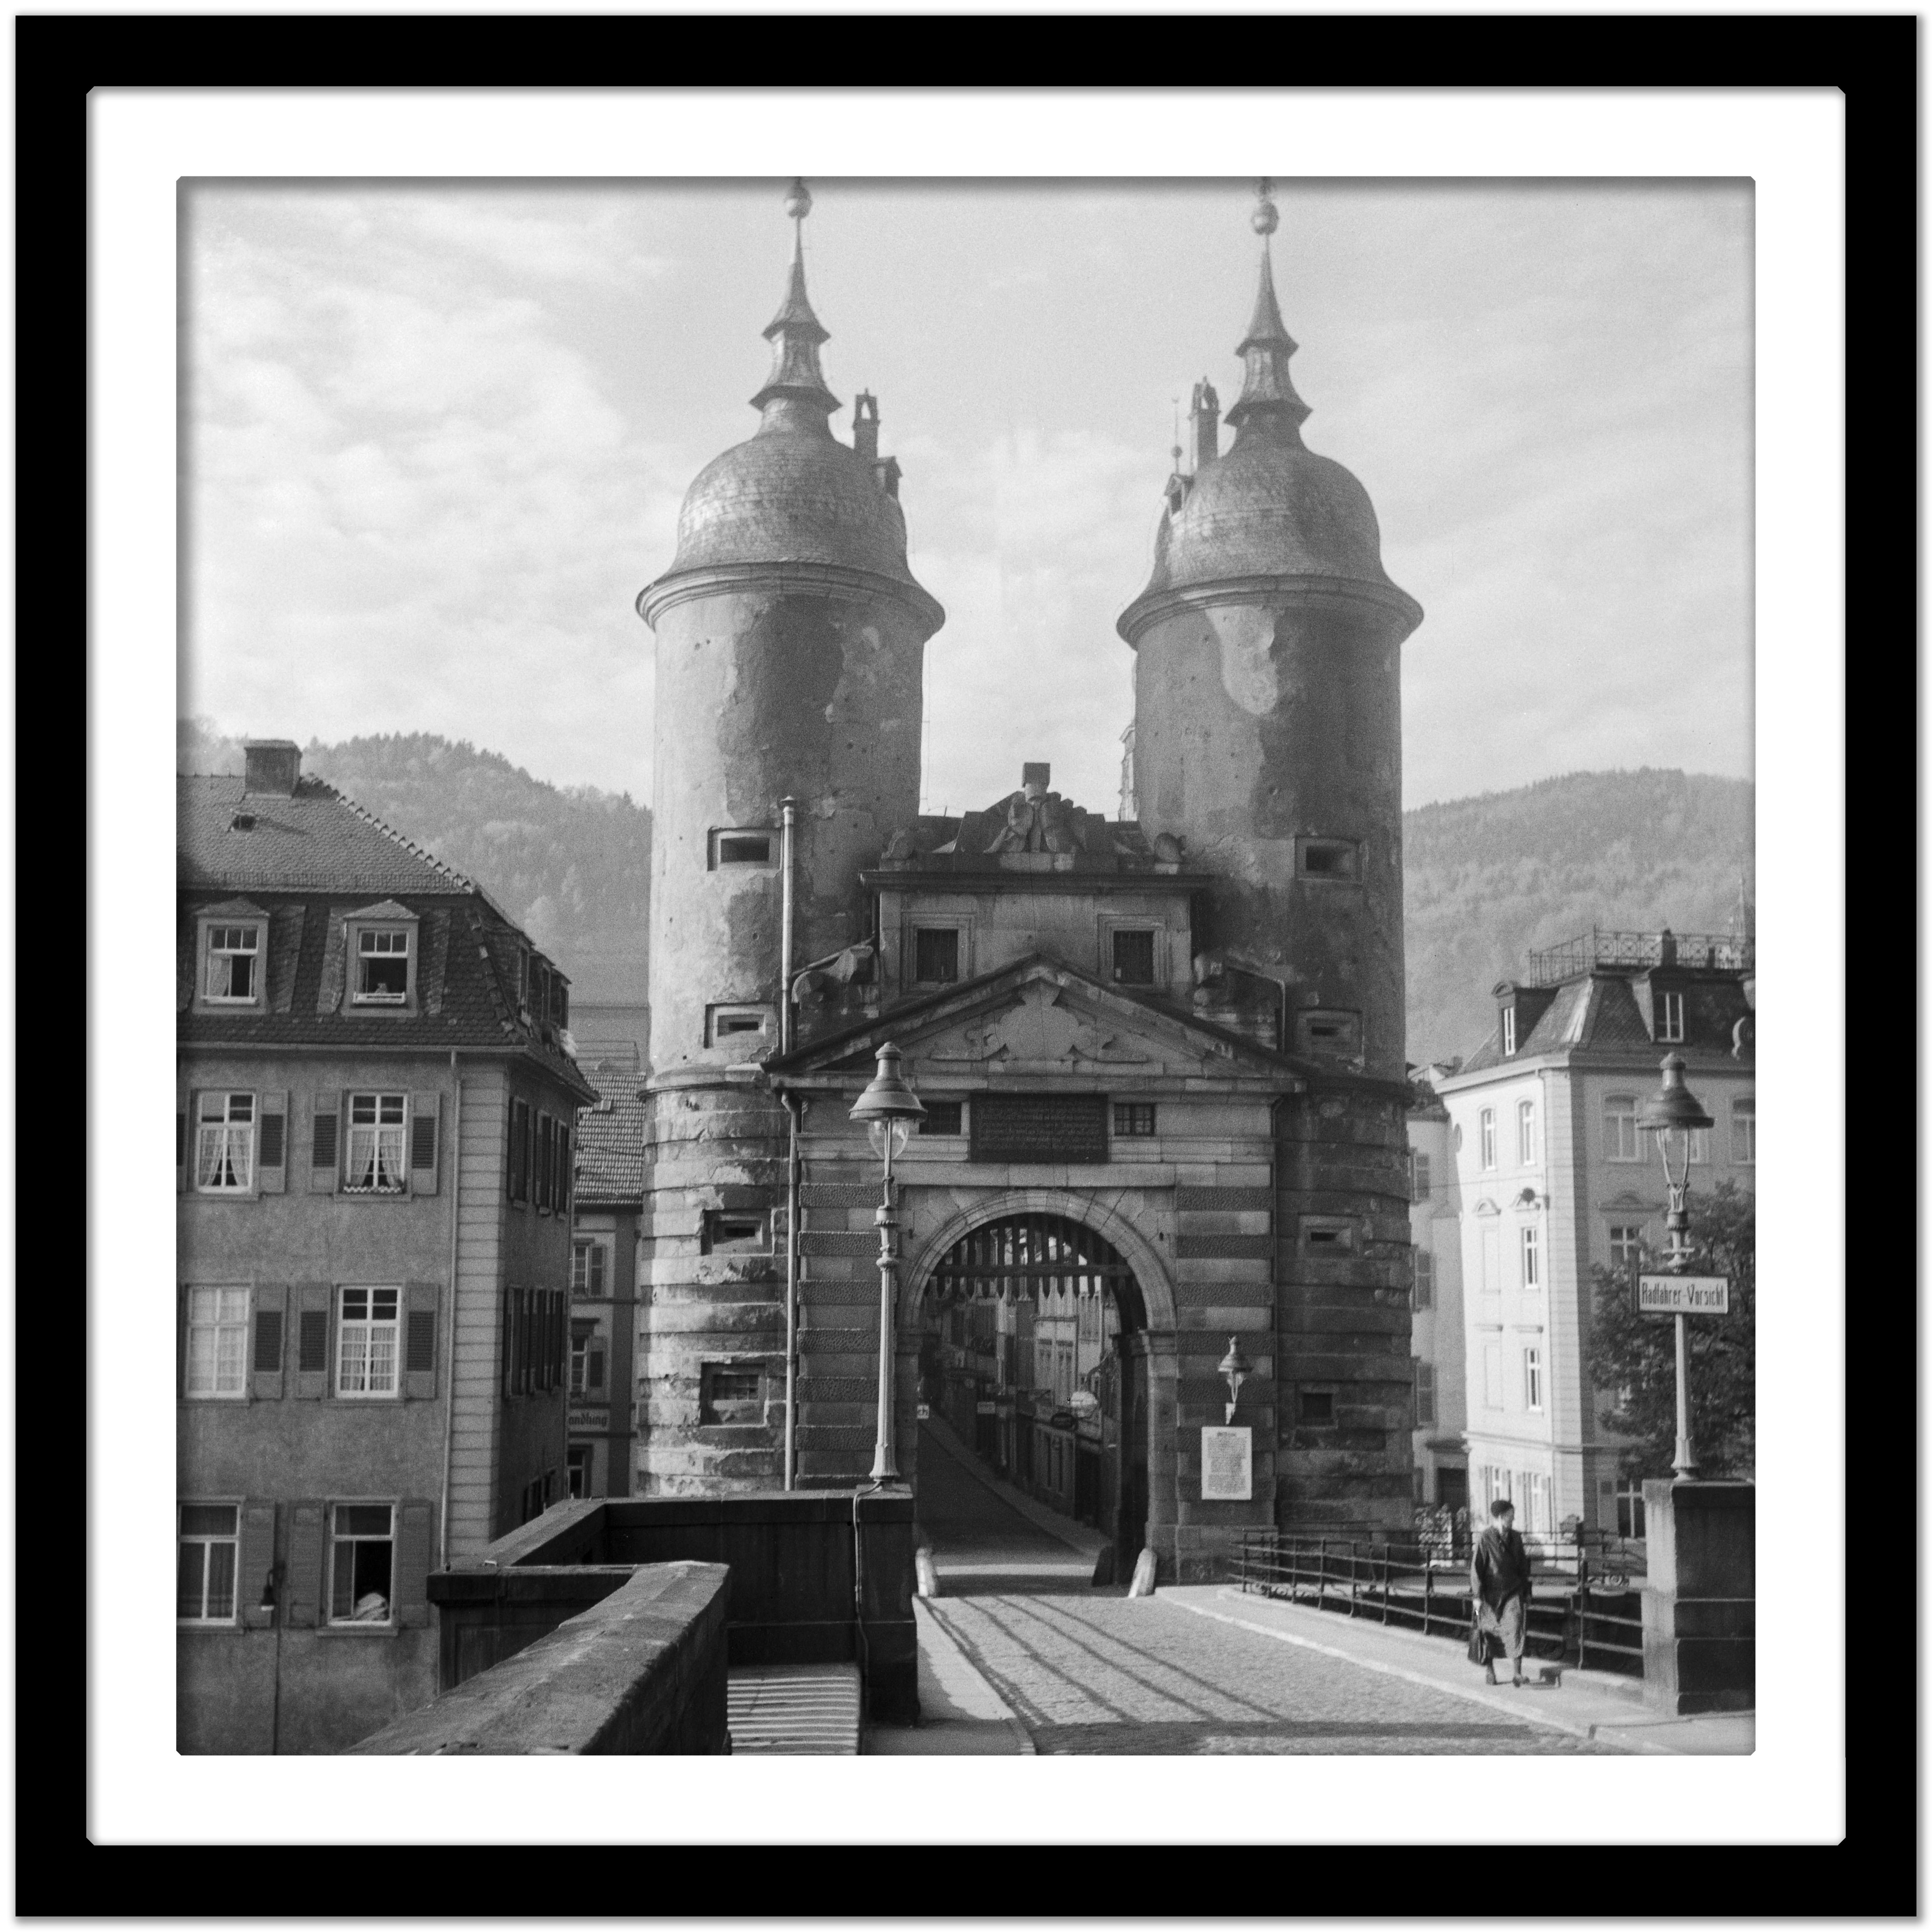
[(1487, 878)]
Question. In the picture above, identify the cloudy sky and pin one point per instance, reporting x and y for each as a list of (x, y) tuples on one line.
[(435, 437)]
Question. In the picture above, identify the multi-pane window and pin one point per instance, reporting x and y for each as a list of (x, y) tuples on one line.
[(217, 1341), (1536, 1504), (1133, 959), (1531, 1239), (1744, 1132), (1670, 1016), (587, 1263), (587, 1363), (1486, 1125), (1626, 1239), (1418, 1174), (935, 955), (943, 1117), (234, 961), (224, 1159), (204, 1570), (382, 966), (1425, 1395), (1509, 1030), (361, 1562), (377, 1153), (1525, 1133), (577, 1470), (1620, 1134), (1133, 1120), (1532, 1379), (1424, 1294), (366, 1342), (1629, 1510)]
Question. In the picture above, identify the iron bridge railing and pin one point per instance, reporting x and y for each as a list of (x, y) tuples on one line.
[(1591, 1618)]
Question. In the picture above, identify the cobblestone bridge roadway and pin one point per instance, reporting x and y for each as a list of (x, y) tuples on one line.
[(1091, 1671)]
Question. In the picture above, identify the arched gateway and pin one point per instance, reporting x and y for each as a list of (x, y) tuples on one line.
[(1033, 1346)]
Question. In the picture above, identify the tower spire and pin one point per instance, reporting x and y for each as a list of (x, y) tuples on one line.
[(795, 396), (1267, 398)]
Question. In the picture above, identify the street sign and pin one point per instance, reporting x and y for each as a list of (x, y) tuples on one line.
[(926, 1411), (1683, 1295)]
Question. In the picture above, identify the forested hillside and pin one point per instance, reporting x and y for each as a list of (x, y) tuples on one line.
[(571, 864), (1489, 878)]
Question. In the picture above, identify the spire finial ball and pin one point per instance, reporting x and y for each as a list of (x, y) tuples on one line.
[(1267, 217), (798, 200)]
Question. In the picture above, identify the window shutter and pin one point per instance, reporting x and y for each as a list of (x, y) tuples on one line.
[(419, 1300), (271, 1313), (184, 1136), (324, 1155), (509, 1341), (425, 1112), (257, 1557), (301, 1587), (271, 1144), (595, 1363), (563, 1171), (414, 1522), (181, 1294), (312, 1299)]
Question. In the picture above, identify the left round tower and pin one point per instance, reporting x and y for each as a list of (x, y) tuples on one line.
[(790, 639)]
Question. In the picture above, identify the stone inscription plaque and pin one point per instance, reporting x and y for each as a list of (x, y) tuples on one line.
[(1227, 1465), (1055, 1127)]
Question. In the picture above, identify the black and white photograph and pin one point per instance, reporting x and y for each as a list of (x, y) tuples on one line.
[(1011, 1025), (967, 965)]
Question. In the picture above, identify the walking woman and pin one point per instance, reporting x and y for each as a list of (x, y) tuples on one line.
[(1499, 1581)]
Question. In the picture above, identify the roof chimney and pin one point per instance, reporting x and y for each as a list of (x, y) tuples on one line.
[(273, 766)]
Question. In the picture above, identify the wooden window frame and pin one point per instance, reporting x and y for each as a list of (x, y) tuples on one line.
[(333, 1539), (227, 1127), (369, 1323), (206, 1539), (244, 1323), (205, 952)]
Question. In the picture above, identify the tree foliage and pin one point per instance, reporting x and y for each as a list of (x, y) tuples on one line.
[(1633, 1356)]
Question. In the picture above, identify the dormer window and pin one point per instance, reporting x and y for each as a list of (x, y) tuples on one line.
[(381, 966), (234, 971), (1509, 1030), (1670, 1016)]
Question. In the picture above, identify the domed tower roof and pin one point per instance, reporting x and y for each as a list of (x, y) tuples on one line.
[(793, 494), (1270, 507)]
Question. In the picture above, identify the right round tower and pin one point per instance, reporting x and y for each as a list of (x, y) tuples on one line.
[(1268, 708)]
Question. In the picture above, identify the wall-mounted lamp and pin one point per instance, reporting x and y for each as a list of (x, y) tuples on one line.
[(1235, 1369)]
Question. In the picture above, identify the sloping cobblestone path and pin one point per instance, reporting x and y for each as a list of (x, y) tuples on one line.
[(1094, 1672)]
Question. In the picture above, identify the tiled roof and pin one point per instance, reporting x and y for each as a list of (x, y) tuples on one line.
[(316, 839), (610, 1135), (310, 863), (1596, 1011)]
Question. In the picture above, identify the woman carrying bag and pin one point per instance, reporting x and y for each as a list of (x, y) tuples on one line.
[(1499, 1590)]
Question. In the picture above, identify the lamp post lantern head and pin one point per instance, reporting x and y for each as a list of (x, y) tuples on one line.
[(1673, 1108), (1235, 1369), (889, 1107)]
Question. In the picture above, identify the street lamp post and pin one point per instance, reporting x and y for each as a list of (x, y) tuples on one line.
[(889, 1107), (1673, 1109)]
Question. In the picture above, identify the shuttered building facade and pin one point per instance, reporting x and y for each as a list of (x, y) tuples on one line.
[(375, 1122)]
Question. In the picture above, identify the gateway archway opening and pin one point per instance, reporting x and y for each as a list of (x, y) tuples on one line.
[(1032, 1347)]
